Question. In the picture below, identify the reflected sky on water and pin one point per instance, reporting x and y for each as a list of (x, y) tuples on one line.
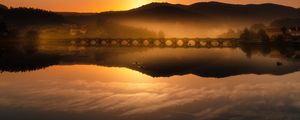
[(161, 62), (92, 83), (93, 92)]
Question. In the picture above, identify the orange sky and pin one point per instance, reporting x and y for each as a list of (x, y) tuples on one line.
[(106, 5)]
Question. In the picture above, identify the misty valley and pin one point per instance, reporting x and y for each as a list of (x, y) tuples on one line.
[(160, 61)]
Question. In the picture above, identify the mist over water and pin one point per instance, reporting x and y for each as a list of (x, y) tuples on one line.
[(160, 61)]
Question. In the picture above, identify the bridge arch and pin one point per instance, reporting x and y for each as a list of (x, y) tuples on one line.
[(83, 42), (125, 43), (169, 43), (146, 42), (157, 42), (114, 42), (191, 43), (135, 43), (154, 42), (93, 42), (180, 43), (214, 43)]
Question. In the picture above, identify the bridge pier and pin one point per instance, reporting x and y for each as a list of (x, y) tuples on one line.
[(221, 43)]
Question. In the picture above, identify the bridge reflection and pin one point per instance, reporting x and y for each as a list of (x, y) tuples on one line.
[(164, 42)]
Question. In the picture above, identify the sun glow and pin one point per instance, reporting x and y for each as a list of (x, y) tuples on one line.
[(137, 3), (116, 5)]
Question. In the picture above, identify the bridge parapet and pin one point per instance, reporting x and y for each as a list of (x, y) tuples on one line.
[(157, 42)]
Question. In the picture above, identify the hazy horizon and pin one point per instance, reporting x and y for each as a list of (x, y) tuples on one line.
[(93, 6)]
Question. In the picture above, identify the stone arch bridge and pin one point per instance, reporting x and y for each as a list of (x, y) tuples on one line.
[(155, 42)]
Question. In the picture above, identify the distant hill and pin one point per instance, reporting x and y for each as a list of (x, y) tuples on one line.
[(208, 11), (164, 10), (250, 11), (202, 19), (3, 7)]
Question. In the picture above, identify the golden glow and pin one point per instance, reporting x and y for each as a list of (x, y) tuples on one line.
[(137, 3), (85, 88), (104, 5)]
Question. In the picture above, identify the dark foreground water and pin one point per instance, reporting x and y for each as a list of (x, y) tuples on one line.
[(83, 83)]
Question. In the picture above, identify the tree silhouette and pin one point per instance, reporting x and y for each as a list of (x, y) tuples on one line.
[(30, 16), (3, 30), (246, 35), (263, 36), (250, 35)]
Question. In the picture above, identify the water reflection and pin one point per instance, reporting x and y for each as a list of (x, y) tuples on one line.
[(55, 81), (93, 92), (159, 62)]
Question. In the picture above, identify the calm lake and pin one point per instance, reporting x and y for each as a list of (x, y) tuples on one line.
[(93, 83)]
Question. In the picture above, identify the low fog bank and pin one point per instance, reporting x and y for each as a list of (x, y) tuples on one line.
[(155, 20), (186, 29)]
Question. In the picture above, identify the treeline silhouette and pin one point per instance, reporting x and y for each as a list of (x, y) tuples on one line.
[(19, 17), (280, 31), (260, 35), (286, 51), (19, 61), (20, 21)]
